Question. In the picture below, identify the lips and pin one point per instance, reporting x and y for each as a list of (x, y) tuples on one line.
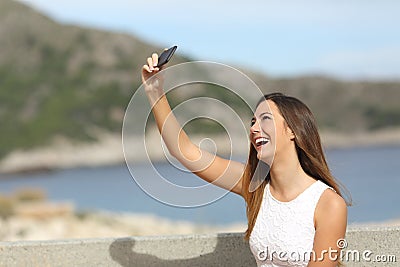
[(260, 141)]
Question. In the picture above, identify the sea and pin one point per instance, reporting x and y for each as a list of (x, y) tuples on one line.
[(371, 176)]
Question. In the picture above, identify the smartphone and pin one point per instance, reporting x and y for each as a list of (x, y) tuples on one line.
[(166, 56)]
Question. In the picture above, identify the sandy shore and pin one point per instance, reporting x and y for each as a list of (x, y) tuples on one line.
[(109, 150), (45, 221)]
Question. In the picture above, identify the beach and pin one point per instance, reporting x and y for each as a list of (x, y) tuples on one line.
[(49, 221)]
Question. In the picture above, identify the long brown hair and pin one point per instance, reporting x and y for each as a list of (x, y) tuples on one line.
[(301, 121)]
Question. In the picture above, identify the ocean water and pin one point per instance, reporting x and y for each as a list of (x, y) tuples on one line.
[(370, 174)]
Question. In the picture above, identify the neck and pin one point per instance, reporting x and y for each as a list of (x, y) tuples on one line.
[(287, 175)]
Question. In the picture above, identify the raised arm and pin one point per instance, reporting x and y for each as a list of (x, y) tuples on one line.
[(222, 172)]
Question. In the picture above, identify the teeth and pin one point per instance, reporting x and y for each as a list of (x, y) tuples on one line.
[(261, 140)]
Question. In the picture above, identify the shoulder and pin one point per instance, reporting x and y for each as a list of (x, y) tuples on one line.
[(330, 207), (332, 200)]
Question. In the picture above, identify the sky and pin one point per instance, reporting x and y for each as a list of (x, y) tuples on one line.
[(346, 39)]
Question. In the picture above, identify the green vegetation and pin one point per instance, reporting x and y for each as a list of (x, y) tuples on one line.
[(346, 106), (383, 117), (31, 116)]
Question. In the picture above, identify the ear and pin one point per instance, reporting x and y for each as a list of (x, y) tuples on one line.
[(291, 134)]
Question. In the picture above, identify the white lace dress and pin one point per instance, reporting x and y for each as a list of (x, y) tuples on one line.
[(283, 234)]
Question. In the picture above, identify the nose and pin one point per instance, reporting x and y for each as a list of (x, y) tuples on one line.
[(255, 128)]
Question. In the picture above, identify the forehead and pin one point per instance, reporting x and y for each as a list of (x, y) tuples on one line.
[(266, 106)]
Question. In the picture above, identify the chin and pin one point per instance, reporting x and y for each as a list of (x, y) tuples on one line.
[(265, 158)]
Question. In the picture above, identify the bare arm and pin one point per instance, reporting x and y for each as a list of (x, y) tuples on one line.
[(330, 224), (222, 172)]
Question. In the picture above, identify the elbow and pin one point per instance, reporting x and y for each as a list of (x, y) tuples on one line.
[(175, 153), (183, 155)]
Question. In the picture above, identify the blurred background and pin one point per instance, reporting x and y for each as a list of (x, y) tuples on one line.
[(69, 68)]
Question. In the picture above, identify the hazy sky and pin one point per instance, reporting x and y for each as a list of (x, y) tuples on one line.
[(354, 39)]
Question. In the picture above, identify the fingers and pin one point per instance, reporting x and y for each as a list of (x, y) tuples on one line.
[(155, 59), (146, 67), (152, 63)]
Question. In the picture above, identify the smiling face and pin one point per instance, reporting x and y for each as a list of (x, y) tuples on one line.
[(269, 133)]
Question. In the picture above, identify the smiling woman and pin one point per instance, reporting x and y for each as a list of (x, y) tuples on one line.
[(290, 211), (288, 215)]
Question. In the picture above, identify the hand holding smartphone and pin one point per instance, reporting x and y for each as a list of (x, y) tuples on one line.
[(166, 55), (147, 70)]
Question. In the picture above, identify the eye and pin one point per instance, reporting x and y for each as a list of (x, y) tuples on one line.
[(252, 121), (265, 117)]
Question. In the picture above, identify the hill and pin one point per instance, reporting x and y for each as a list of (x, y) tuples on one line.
[(65, 81), (60, 80)]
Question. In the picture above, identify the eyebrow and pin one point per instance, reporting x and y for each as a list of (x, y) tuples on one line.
[(263, 114)]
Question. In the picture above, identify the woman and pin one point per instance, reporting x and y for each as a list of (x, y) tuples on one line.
[(292, 219)]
